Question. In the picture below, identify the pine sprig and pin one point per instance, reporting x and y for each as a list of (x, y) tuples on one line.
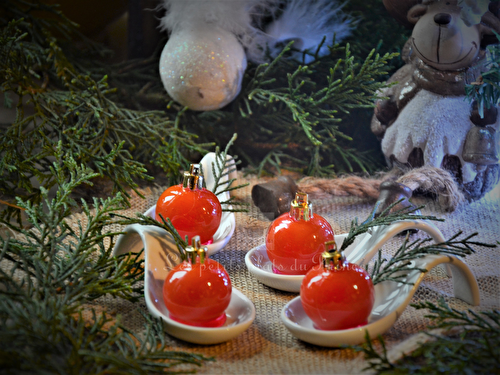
[(385, 218), (312, 106), (223, 167), (52, 270), (444, 316), (399, 265), (469, 344), (486, 90)]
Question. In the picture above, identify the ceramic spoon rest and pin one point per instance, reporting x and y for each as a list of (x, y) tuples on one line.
[(391, 299)]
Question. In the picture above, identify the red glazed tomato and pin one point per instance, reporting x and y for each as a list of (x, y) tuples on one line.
[(295, 246), (191, 211), (337, 298), (198, 294)]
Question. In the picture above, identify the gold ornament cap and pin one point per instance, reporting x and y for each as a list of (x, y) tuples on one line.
[(301, 208), (193, 179), (196, 250), (332, 257)]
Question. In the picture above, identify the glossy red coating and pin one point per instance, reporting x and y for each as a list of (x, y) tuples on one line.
[(337, 298), (295, 246), (198, 294), (191, 211)]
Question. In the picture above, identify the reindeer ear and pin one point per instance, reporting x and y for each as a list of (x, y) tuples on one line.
[(416, 12), (399, 9)]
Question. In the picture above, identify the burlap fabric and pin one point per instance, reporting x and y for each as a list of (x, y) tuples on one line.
[(267, 347)]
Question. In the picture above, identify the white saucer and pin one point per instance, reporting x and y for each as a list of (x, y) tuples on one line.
[(221, 237), (390, 301), (239, 316), (259, 265), (160, 256)]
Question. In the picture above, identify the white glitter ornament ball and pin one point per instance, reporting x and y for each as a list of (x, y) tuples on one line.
[(202, 67)]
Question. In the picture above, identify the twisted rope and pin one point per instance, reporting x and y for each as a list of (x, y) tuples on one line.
[(436, 181), (424, 180), (343, 186)]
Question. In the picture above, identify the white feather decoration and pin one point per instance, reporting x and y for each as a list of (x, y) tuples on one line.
[(231, 15), (306, 22)]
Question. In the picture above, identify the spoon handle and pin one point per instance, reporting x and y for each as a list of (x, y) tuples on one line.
[(370, 243), (208, 163), (156, 242), (464, 282)]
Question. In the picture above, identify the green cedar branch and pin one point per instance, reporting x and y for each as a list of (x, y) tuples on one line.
[(469, 343), (486, 90), (52, 271), (223, 167), (76, 108), (400, 264), (386, 217)]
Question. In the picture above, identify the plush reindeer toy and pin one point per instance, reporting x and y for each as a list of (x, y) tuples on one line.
[(427, 122)]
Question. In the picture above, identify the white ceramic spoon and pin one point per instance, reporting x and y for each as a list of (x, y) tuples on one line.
[(136, 235), (391, 299), (161, 255), (360, 252)]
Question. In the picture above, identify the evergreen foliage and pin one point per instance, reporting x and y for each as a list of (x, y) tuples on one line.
[(472, 348), (386, 217), (115, 119), (311, 107), (400, 264), (51, 271), (486, 90), (58, 101), (78, 118), (397, 268)]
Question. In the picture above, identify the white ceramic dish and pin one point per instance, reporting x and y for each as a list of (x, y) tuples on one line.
[(390, 300), (361, 251), (259, 265), (160, 256), (221, 237)]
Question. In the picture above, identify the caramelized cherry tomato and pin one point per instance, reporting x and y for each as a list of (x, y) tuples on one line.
[(191, 211), (198, 294), (337, 298), (295, 246)]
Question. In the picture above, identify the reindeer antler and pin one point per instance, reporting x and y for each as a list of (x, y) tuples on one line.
[(492, 21), (490, 18), (399, 10)]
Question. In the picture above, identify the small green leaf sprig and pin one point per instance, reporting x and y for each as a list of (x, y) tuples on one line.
[(311, 107), (400, 264), (397, 268), (57, 100), (50, 275), (474, 350), (386, 217), (223, 167), (468, 344), (485, 91)]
